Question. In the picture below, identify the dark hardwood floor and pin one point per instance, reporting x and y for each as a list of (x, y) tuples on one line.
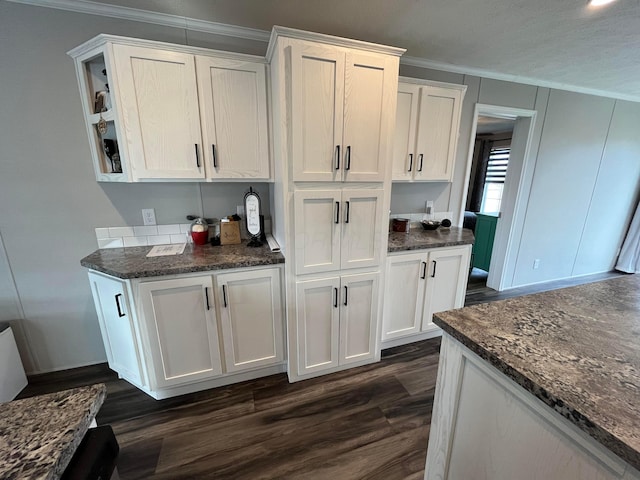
[(478, 292), (370, 422)]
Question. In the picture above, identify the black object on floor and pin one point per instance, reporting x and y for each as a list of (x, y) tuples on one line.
[(96, 456)]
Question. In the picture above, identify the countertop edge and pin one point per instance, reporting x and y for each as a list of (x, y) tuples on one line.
[(180, 270), (90, 414), (571, 414), (428, 247)]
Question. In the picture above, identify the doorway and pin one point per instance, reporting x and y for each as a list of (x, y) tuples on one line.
[(498, 169), (490, 162)]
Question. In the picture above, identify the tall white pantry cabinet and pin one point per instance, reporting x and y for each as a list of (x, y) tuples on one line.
[(334, 108)]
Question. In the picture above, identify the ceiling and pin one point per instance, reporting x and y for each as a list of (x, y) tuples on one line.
[(494, 125), (558, 43)]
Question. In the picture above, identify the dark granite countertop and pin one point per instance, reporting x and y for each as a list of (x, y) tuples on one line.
[(132, 262), (577, 349), (418, 238), (39, 435)]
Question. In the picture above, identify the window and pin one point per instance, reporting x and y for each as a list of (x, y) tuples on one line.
[(494, 179)]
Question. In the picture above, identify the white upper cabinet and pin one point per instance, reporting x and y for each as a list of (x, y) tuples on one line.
[(173, 112), (233, 108), (340, 106), (158, 100), (317, 97), (427, 126), (405, 133)]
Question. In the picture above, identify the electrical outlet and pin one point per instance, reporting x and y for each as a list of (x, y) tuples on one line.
[(428, 208), (240, 210), (148, 216), (536, 263)]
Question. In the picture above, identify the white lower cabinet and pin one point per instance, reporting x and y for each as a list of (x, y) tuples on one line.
[(180, 320), (250, 306), (176, 335), (419, 285), (117, 326), (336, 321)]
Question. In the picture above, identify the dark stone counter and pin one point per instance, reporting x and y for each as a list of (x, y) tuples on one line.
[(576, 349), (418, 239), (132, 262), (39, 435)]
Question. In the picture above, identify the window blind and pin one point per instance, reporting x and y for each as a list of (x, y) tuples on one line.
[(497, 165)]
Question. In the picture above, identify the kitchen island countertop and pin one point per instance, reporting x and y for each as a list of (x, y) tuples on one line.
[(418, 238), (132, 262), (39, 435), (576, 349)]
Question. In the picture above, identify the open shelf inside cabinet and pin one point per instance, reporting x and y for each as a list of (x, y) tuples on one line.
[(97, 85), (107, 150), (94, 77)]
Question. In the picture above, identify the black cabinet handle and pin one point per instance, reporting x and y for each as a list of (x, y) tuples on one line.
[(120, 314), (348, 164), (206, 297), (435, 264), (224, 295), (337, 212), (346, 213), (410, 162), (215, 160), (197, 156), (424, 270), (346, 295), (335, 298), (421, 158), (337, 157)]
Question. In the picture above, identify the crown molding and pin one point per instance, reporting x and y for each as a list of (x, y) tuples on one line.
[(137, 15), (193, 24), (537, 82), (279, 31), (102, 39)]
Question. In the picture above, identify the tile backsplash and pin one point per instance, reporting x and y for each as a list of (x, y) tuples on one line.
[(117, 237), (141, 235)]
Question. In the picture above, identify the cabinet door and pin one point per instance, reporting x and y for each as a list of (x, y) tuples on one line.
[(362, 219), (233, 108), (404, 295), (183, 336), (251, 318), (438, 125), (317, 89), (367, 105), (116, 325), (317, 230), (358, 317), (447, 275), (158, 101), (404, 159), (318, 324)]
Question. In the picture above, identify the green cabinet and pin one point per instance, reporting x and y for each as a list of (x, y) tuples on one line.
[(483, 246)]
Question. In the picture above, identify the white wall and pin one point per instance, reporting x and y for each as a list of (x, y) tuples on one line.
[(50, 201), (586, 181)]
